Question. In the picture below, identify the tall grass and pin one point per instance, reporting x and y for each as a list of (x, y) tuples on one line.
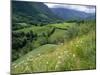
[(77, 54)]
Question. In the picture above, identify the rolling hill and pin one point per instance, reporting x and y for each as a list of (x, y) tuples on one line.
[(32, 12)]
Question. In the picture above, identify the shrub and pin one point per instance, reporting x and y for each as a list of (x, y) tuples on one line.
[(72, 32)]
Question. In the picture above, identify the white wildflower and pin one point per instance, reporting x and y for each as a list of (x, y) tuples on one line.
[(59, 57), (73, 55), (47, 62), (38, 54), (15, 66)]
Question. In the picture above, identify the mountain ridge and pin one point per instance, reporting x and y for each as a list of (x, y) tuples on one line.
[(34, 12), (69, 14)]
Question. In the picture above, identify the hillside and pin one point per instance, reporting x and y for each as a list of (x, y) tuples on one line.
[(75, 52), (32, 13), (43, 41), (69, 14)]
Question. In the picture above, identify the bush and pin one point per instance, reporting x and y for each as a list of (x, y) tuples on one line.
[(21, 43), (72, 32)]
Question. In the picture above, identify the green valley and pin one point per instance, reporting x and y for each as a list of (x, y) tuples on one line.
[(71, 49), (44, 42)]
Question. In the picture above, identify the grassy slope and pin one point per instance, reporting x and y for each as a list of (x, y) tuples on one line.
[(63, 25), (79, 53), (59, 32), (39, 29)]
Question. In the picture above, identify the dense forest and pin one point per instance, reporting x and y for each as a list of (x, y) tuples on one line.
[(43, 41)]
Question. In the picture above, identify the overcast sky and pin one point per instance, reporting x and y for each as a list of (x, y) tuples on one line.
[(83, 8)]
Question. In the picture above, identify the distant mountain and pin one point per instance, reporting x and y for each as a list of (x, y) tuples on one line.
[(69, 14), (92, 16), (32, 12)]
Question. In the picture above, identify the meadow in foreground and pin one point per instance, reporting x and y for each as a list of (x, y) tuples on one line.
[(65, 46), (48, 39)]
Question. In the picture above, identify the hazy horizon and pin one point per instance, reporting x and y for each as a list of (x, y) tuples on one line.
[(83, 8)]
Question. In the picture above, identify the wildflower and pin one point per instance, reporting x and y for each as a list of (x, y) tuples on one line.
[(38, 54), (47, 62), (59, 57), (73, 55), (15, 66)]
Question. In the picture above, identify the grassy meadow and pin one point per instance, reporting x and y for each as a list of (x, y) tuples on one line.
[(62, 46), (50, 39)]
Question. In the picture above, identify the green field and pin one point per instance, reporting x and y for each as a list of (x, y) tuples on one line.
[(46, 39), (58, 47)]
